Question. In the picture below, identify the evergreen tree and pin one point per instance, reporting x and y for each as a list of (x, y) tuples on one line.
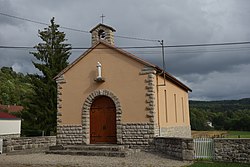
[(52, 55)]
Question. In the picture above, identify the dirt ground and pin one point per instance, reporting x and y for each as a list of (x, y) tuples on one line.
[(141, 159), (214, 133)]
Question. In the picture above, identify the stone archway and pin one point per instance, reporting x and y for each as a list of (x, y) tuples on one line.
[(86, 114)]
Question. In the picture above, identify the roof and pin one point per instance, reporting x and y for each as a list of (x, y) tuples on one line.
[(11, 108), (4, 115), (158, 69), (103, 26)]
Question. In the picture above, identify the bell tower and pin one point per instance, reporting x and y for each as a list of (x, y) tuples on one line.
[(102, 32)]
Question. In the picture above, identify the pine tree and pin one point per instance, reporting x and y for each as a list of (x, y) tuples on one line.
[(52, 55)]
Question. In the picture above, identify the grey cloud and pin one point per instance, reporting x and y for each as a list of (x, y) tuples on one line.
[(6, 7), (204, 63)]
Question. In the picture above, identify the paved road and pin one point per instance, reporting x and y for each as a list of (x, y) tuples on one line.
[(141, 159)]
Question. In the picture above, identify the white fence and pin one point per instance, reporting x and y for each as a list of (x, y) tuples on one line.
[(203, 148), (1, 146)]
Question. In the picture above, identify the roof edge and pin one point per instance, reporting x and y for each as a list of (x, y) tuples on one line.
[(100, 24), (173, 79), (75, 61)]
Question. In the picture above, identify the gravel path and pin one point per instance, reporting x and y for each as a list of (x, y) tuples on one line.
[(140, 159)]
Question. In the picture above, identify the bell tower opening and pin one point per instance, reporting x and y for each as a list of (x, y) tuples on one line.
[(102, 32)]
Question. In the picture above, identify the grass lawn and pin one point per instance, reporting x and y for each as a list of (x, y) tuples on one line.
[(217, 164), (236, 134), (224, 134)]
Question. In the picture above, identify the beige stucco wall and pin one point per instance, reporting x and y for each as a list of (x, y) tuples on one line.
[(172, 106), (121, 77)]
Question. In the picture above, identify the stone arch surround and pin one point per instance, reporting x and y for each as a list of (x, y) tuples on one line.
[(86, 115)]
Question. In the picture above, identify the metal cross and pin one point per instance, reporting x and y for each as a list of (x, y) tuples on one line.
[(102, 17)]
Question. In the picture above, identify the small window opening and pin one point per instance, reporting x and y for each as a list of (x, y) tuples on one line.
[(101, 34)]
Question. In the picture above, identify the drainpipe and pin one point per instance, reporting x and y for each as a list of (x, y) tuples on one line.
[(158, 108), (164, 83), (163, 63)]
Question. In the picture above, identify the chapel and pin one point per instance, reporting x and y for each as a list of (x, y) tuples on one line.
[(110, 96)]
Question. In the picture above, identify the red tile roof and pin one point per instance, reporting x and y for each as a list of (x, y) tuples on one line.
[(11, 108), (4, 115)]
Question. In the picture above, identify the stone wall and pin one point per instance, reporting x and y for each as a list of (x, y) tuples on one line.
[(137, 135), (232, 150), (176, 131), (9, 136), (69, 135), (180, 148), (24, 143)]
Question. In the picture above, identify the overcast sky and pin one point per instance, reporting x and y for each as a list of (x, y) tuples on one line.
[(213, 73)]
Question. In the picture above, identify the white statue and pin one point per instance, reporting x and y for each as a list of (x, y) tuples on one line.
[(99, 70)]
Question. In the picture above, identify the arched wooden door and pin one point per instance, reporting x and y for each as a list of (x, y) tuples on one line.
[(102, 121)]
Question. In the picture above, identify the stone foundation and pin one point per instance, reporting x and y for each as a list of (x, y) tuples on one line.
[(69, 135), (137, 135), (176, 131)]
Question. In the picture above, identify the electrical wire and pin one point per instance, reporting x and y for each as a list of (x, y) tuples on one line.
[(119, 36), (74, 29), (145, 47), (139, 39)]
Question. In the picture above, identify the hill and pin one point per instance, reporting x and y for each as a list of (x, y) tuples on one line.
[(223, 105), (224, 115)]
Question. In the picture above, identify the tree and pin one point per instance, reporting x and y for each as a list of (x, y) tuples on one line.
[(14, 87), (198, 119), (52, 55)]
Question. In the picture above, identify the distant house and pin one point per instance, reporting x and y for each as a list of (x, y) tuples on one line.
[(11, 108), (10, 125), (210, 124), (108, 95)]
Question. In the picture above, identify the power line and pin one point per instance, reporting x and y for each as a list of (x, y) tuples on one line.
[(140, 39), (74, 29), (41, 23), (209, 44), (119, 36), (146, 47), (20, 18)]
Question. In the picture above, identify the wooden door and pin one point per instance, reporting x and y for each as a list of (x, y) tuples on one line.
[(102, 121)]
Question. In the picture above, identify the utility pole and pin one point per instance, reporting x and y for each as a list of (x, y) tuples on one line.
[(163, 62)]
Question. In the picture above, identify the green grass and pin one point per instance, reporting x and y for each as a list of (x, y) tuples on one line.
[(217, 164), (236, 134), (226, 134)]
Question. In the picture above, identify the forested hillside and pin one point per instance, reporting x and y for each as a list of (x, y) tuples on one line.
[(14, 87), (224, 115)]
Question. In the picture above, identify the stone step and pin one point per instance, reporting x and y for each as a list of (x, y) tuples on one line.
[(91, 153), (92, 150), (95, 147)]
